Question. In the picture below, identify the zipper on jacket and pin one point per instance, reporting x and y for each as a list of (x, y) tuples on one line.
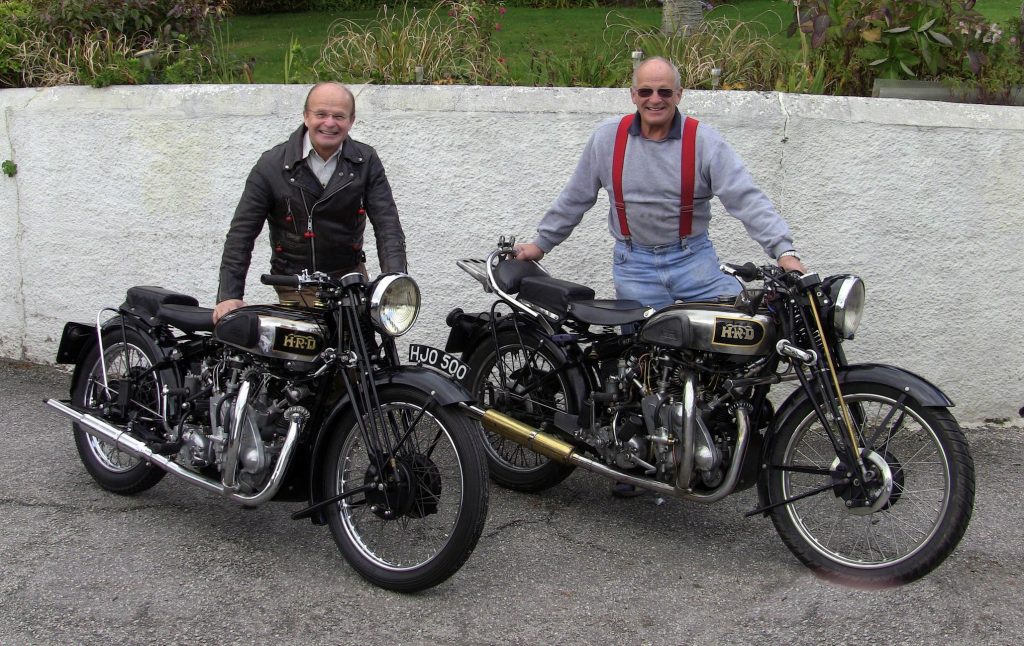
[(309, 216)]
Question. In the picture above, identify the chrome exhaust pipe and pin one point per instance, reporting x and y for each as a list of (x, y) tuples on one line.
[(560, 451), (106, 432)]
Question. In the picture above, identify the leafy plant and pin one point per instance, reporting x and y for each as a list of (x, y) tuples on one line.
[(581, 67), (858, 41), (448, 43), (742, 52), (9, 168), (297, 68)]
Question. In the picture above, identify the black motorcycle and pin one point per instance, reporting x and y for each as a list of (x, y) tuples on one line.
[(863, 470), (279, 402)]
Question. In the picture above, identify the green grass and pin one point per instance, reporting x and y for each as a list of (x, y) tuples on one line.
[(523, 31)]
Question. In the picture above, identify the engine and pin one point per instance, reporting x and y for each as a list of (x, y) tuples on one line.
[(683, 359), (237, 431)]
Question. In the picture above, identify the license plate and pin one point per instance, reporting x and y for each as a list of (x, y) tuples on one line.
[(425, 355)]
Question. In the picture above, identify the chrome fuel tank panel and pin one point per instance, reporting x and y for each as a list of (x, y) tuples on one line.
[(711, 327)]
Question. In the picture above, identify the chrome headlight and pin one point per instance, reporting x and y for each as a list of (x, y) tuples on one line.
[(849, 306), (394, 304)]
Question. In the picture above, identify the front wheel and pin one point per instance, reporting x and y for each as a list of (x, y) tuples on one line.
[(416, 511), (893, 529)]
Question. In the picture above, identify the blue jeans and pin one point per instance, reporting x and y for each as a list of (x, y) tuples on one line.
[(658, 276)]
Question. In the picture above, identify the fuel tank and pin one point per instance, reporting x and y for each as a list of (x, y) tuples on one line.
[(274, 331), (711, 327)]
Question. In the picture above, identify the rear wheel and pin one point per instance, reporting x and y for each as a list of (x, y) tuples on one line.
[(414, 517), (903, 522), (525, 382), (130, 378)]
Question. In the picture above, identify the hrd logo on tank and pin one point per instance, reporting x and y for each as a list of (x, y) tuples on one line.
[(737, 332), (295, 342)]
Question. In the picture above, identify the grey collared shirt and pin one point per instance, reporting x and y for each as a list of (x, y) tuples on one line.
[(322, 169)]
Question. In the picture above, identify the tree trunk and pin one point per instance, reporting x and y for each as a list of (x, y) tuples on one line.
[(680, 15)]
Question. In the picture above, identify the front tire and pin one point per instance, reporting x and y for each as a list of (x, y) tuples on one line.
[(129, 358), (533, 389), (422, 525), (919, 507)]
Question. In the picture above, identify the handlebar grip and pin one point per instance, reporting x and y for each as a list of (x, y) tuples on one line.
[(746, 272), (280, 280)]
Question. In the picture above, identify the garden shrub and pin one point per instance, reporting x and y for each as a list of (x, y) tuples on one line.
[(447, 43), (853, 42), (740, 51), (105, 42)]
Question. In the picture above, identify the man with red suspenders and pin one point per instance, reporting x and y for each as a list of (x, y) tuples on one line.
[(660, 171)]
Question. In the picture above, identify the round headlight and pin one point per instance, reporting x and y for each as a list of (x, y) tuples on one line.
[(394, 304), (849, 306)]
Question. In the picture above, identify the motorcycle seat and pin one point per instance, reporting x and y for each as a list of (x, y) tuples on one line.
[(187, 318), (510, 274), (156, 306), (552, 294), (609, 312)]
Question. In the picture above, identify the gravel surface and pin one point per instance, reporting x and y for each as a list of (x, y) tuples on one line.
[(573, 565)]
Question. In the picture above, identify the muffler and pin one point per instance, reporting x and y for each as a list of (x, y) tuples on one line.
[(560, 451), (106, 432), (554, 448)]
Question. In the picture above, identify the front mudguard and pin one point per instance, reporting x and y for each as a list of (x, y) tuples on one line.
[(915, 386), (445, 391)]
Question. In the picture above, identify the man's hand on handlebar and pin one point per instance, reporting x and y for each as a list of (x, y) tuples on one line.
[(792, 263), (528, 251), (226, 306)]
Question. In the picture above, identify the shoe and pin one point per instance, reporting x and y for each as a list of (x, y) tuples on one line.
[(625, 490)]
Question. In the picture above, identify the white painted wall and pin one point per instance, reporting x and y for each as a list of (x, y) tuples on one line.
[(125, 186)]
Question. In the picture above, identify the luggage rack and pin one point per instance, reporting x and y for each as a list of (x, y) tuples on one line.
[(477, 268)]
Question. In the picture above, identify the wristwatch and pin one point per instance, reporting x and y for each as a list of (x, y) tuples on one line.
[(789, 253)]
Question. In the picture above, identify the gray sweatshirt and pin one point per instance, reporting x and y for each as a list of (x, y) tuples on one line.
[(651, 186)]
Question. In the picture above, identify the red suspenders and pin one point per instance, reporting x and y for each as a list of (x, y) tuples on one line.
[(688, 170)]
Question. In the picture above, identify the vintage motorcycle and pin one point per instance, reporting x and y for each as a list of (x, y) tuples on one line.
[(278, 402), (863, 470)]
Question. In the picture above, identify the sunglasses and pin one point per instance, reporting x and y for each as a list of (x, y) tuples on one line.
[(663, 92)]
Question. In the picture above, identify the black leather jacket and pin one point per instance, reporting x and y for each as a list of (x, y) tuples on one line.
[(312, 227)]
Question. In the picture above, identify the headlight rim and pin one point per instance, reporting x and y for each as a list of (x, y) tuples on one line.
[(379, 290), (847, 311)]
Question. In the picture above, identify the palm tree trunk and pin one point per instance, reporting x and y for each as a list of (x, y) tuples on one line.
[(680, 15)]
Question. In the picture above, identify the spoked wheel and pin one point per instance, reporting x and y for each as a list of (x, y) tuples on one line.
[(130, 380), (896, 527), (417, 515), (527, 386)]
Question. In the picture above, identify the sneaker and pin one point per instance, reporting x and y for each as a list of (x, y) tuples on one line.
[(625, 490)]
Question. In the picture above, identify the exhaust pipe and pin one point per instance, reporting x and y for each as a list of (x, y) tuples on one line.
[(555, 449), (106, 432)]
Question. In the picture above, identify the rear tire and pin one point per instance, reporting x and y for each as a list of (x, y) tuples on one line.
[(533, 390), (419, 529), (129, 355), (913, 524)]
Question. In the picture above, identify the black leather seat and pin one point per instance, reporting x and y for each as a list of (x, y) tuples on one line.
[(609, 312)]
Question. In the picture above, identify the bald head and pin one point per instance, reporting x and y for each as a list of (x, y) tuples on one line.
[(660, 66), (329, 113)]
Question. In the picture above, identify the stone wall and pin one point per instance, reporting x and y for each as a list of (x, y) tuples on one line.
[(123, 186)]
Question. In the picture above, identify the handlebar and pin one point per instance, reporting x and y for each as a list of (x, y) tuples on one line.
[(280, 280)]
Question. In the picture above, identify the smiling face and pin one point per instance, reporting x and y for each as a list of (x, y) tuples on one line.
[(656, 112), (328, 116)]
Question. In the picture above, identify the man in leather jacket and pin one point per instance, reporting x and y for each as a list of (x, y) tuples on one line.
[(316, 192)]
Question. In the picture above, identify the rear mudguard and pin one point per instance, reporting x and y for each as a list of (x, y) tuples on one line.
[(78, 339), (915, 386), (446, 392)]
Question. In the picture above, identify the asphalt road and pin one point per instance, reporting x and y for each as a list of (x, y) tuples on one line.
[(573, 565)]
